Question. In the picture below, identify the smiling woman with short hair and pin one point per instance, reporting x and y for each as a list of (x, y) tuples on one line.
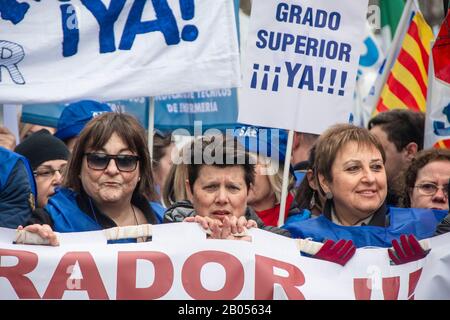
[(350, 170)]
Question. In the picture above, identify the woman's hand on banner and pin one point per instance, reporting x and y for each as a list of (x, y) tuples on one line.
[(338, 252), (44, 232), (407, 250), (229, 228)]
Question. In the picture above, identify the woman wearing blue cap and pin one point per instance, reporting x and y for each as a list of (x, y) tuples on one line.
[(268, 146)]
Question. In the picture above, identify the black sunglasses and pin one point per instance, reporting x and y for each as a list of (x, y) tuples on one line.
[(100, 161)]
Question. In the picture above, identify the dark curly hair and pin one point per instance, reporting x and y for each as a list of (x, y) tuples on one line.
[(409, 176)]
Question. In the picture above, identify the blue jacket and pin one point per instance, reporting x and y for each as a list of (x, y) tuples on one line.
[(17, 190), (159, 211), (66, 215), (421, 223)]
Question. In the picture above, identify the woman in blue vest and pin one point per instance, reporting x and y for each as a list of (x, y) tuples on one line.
[(108, 183), (350, 170)]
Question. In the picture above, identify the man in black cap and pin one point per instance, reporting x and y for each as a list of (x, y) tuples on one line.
[(48, 157)]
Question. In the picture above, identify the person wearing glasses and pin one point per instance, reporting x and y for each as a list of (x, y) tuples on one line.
[(424, 183), (108, 181), (350, 169), (48, 157)]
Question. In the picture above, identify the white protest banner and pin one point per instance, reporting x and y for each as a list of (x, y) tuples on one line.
[(437, 124), (301, 63), (370, 63), (169, 267), (54, 51)]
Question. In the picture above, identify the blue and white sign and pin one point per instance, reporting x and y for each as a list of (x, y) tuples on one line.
[(59, 51), (214, 108), (370, 64), (48, 114), (302, 60)]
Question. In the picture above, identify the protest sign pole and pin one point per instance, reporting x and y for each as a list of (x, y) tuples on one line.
[(402, 25), (151, 125), (9, 117), (284, 189)]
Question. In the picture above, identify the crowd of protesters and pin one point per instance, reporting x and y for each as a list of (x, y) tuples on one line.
[(349, 188)]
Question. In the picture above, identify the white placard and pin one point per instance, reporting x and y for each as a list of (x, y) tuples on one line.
[(301, 63)]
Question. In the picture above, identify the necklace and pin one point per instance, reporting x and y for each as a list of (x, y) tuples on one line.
[(135, 217), (143, 239)]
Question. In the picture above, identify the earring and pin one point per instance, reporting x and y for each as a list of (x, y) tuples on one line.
[(329, 195), (312, 203)]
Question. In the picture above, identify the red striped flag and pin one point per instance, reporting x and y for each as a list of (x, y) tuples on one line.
[(406, 86)]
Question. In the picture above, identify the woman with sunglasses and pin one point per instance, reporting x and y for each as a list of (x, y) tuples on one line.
[(108, 182)]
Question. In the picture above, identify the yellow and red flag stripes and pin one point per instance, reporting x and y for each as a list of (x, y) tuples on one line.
[(406, 87), (442, 144)]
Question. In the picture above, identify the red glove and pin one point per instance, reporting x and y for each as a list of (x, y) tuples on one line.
[(407, 250), (339, 252)]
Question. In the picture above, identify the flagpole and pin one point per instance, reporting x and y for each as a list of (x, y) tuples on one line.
[(1, 114), (428, 141), (392, 56), (284, 188), (10, 114), (151, 125)]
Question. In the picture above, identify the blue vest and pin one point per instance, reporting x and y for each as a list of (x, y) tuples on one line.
[(8, 160), (67, 216), (159, 211), (421, 223), (302, 215)]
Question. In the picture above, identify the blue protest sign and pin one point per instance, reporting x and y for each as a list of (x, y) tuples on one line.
[(48, 114), (214, 108)]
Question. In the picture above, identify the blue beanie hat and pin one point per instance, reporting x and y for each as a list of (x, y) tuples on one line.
[(268, 142), (76, 115)]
